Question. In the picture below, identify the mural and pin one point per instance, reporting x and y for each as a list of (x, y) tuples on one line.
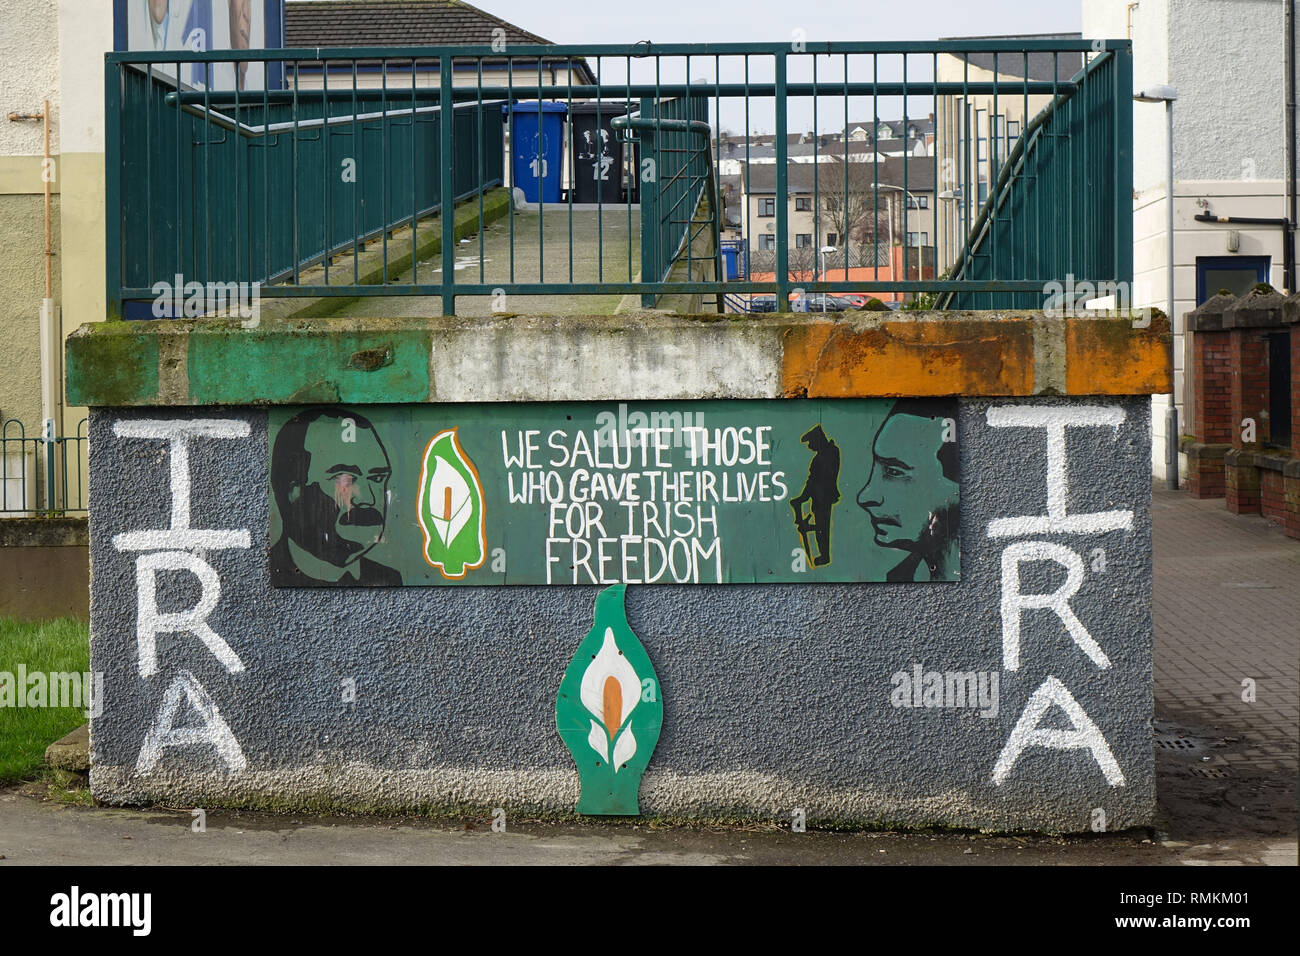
[(593, 494), (451, 508), (329, 481), (201, 25), (912, 491), (820, 492), (608, 710)]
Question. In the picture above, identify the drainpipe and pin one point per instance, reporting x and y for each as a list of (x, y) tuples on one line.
[(1289, 278), (49, 337), (1286, 225)]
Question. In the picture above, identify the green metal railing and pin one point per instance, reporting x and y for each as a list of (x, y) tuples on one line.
[(1060, 204), (42, 474), (232, 186), (229, 187), (682, 202)]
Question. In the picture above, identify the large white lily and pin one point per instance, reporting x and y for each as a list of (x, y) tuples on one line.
[(610, 690)]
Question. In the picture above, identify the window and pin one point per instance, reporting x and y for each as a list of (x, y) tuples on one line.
[(832, 239), (803, 240), (912, 239), (802, 204), (832, 204), (766, 242), (767, 207), (1013, 131), (918, 202), (1237, 274)]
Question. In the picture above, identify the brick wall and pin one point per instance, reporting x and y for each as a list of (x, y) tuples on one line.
[(1230, 368)]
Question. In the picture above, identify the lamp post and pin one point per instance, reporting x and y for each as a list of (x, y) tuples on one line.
[(948, 195), (1163, 93), (824, 251), (920, 268)]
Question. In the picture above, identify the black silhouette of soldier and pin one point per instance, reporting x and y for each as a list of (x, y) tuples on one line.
[(821, 491)]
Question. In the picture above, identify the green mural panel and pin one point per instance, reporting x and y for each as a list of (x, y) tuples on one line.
[(609, 711), (714, 492)]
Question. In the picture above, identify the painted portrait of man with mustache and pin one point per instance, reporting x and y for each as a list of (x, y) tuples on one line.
[(329, 476)]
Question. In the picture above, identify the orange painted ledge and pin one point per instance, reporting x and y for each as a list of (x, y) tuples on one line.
[(975, 354)]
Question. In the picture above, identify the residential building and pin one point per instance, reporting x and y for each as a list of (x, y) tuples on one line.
[(1226, 59), (875, 209), (974, 133)]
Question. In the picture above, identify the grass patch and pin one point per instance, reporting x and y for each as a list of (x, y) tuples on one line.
[(39, 646)]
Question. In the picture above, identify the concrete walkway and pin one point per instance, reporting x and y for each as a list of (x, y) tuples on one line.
[(602, 246), (1227, 602)]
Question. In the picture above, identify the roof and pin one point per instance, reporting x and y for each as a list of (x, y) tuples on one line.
[(310, 23), (799, 176), (1040, 63), (340, 23)]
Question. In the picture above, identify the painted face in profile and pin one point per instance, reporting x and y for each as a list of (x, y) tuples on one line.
[(907, 489)]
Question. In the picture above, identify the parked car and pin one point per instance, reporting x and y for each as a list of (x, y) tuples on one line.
[(765, 303), (819, 302)]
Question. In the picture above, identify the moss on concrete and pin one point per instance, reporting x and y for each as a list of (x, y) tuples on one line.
[(371, 268), (112, 363)]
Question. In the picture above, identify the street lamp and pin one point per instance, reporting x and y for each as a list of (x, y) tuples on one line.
[(824, 251), (920, 258), (1163, 93)]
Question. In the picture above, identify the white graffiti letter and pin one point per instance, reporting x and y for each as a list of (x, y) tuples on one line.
[(1085, 735), (1055, 419), (150, 621), (1058, 601), (214, 733), (178, 434)]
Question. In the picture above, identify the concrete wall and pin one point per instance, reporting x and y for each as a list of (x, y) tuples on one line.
[(775, 697), (22, 286), (44, 568), (50, 49), (29, 71)]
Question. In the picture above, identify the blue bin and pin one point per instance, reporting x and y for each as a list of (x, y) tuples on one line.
[(537, 159), (729, 262)]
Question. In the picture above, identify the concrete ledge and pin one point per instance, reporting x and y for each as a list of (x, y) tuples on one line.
[(1200, 451), (644, 356), (44, 533), (71, 752)]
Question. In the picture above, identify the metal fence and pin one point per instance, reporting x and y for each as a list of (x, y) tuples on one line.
[(41, 475), (1046, 215), (1007, 162)]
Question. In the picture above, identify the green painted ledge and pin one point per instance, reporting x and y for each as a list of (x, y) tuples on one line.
[(219, 362)]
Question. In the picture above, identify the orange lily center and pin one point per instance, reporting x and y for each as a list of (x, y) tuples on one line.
[(612, 704)]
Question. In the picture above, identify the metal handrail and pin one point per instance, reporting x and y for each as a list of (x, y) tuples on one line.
[(709, 188)]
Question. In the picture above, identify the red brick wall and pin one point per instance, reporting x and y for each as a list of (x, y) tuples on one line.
[(1212, 408), (1248, 354), (1205, 477)]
